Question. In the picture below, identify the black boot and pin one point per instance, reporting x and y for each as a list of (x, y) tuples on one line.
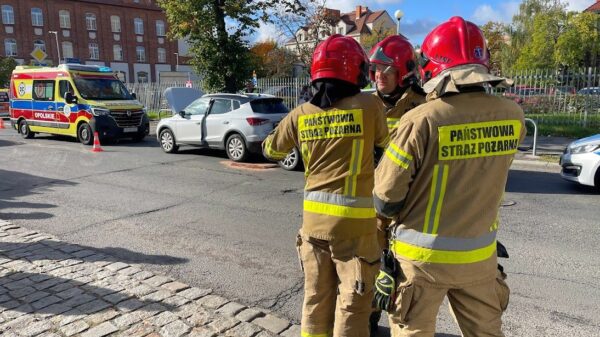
[(374, 323)]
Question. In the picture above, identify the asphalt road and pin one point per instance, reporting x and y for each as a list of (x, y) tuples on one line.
[(192, 217)]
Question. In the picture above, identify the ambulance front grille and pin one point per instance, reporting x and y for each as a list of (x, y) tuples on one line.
[(123, 119)]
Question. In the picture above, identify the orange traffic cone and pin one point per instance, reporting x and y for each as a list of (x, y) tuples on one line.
[(96, 147), (1, 123)]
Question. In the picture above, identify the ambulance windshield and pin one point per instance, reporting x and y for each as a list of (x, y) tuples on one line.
[(102, 89)]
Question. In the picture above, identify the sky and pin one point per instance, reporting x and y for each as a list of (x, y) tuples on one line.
[(420, 16)]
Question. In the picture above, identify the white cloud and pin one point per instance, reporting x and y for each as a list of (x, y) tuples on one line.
[(268, 31), (578, 5), (504, 13)]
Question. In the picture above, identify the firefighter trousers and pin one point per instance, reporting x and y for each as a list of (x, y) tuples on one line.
[(339, 277), (477, 308)]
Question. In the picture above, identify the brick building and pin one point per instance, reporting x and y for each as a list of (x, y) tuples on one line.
[(127, 35)]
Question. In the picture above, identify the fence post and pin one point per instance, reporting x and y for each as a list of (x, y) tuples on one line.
[(587, 106)]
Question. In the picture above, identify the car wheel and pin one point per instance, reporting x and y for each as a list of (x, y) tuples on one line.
[(597, 180), (292, 161), (25, 131), (85, 134), (167, 141), (236, 148)]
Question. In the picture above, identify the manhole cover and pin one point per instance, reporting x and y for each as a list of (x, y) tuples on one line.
[(508, 203)]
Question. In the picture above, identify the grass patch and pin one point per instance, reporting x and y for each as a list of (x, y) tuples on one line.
[(564, 125), (550, 158), (158, 115)]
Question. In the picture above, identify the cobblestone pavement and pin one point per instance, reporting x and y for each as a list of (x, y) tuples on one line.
[(50, 288)]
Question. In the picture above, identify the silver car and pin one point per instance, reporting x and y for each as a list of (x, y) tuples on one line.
[(580, 161), (233, 122)]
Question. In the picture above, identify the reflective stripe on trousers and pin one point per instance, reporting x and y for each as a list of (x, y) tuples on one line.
[(338, 205), (433, 248)]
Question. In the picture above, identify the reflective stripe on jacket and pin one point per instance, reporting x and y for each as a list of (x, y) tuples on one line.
[(337, 150)]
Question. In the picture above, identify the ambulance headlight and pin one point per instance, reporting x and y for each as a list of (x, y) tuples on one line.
[(100, 111)]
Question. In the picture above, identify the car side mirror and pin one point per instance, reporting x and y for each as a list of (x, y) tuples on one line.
[(182, 113), (133, 95), (70, 98)]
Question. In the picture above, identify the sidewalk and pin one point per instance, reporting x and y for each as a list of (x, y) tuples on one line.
[(50, 288)]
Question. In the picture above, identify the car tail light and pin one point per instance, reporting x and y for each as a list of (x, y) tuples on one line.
[(254, 121)]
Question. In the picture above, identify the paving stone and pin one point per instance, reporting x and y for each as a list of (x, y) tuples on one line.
[(212, 301), (175, 286), (129, 271), (230, 309), (73, 328), (245, 329), (138, 330), (68, 317), (157, 296), (174, 329), (34, 296), (293, 331), (141, 290), (9, 315), (116, 298), (131, 317), (100, 330), (70, 293), (272, 323), (157, 281), (49, 283), (163, 319), (18, 284), (49, 334), (130, 305), (222, 324), (195, 293), (39, 277), (202, 332), (18, 323), (200, 318), (265, 334), (61, 287), (188, 310), (4, 298), (175, 301), (83, 253), (143, 275), (54, 309), (22, 292), (93, 306), (67, 248), (117, 266), (46, 301), (79, 300), (249, 314)]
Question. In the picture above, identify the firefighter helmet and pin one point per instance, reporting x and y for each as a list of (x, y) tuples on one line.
[(394, 51), (340, 57), (452, 43)]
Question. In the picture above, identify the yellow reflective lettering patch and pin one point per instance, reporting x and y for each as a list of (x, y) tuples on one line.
[(475, 140), (331, 124)]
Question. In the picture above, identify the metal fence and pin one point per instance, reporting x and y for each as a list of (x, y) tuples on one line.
[(549, 97)]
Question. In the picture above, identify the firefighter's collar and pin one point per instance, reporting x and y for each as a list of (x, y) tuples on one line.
[(449, 80)]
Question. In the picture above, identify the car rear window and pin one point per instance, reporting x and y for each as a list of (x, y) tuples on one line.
[(269, 106)]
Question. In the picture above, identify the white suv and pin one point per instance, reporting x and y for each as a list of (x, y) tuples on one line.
[(233, 122)]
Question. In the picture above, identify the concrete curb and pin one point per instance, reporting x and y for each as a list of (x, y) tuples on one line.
[(50, 288)]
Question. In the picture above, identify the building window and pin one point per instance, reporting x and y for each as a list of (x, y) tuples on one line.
[(117, 52), (140, 54), (94, 52), (142, 77), (115, 23), (8, 15), (139, 26), (67, 49), (65, 18), (160, 28), (39, 44), (37, 18), (10, 47), (90, 21), (162, 55), (340, 30)]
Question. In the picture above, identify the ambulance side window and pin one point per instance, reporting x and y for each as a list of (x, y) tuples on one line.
[(64, 87), (43, 90)]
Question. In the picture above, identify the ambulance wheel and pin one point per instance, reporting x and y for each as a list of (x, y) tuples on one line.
[(84, 134), (236, 148), (167, 141), (25, 131)]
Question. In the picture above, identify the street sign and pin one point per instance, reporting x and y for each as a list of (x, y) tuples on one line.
[(38, 54)]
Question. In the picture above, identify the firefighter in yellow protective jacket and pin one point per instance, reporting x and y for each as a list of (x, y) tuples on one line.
[(441, 180), (393, 70), (336, 132)]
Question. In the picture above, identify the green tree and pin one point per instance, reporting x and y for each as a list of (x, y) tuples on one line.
[(7, 65), (496, 34), (547, 28), (217, 31), (579, 45), (378, 33), (271, 60)]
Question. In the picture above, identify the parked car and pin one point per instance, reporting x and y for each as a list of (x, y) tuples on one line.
[(589, 91), (580, 161), (525, 95), (289, 94), (235, 123), (4, 103)]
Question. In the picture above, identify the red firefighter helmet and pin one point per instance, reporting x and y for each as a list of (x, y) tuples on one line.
[(452, 43), (340, 57), (397, 52)]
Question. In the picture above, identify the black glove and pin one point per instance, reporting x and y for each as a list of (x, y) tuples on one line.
[(385, 284)]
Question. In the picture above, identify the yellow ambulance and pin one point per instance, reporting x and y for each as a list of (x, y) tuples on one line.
[(75, 100)]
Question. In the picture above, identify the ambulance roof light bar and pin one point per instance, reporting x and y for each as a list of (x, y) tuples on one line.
[(81, 67)]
